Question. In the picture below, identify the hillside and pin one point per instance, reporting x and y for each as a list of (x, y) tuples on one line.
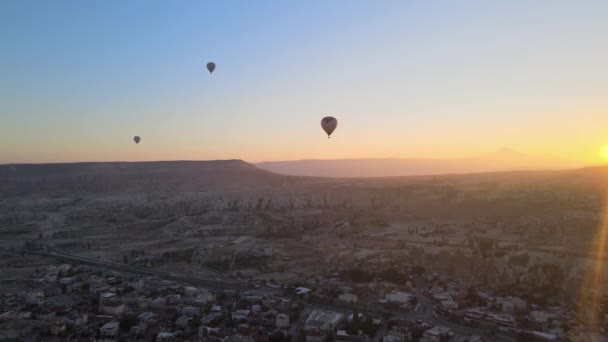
[(135, 176)]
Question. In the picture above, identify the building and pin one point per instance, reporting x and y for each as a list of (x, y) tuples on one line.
[(342, 336), (398, 297), (33, 298), (115, 308), (205, 297), (322, 320), (449, 305), (190, 291), (282, 321), (148, 318), (538, 336), (302, 290), (435, 334), (182, 322), (518, 303), (138, 330), (348, 298), (109, 329), (400, 333), (190, 311), (167, 336), (540, 317), (391, 338), (315, 335), (240, 314)]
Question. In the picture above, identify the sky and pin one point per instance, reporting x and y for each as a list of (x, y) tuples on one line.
[(436, 79)]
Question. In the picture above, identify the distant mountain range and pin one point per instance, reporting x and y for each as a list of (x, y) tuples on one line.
[(502, 160), (237, 175)]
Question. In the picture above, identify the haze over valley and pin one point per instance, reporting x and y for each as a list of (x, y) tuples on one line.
[(502, 160)]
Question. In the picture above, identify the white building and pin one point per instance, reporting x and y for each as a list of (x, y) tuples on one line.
[(322, 320), (167, 336), (435, 333), (391, 338), (282, 321), (398, 297), (302, 290), (449, 304), (348, 298), (190, 291), (109, 329)]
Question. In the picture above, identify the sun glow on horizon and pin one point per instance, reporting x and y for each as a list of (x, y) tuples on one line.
[(605, 153)]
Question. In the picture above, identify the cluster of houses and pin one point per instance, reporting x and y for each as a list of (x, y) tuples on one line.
[(65, 302)]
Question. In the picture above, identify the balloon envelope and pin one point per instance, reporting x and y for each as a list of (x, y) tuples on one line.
[(211, 67), (136, 139), (329, 124)]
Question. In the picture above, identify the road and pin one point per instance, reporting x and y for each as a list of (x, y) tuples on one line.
[(207, 283)]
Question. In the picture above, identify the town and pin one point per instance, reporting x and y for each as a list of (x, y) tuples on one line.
[(441, 258), (75, 302)]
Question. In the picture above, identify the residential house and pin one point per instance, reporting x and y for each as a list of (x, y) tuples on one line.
[(282, 321), (109, 329), (348, 298)]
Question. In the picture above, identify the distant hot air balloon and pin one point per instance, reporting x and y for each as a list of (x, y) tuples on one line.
[(211, 67), (136, 139), (329, 124)]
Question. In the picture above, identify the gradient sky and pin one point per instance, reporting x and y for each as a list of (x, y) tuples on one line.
[(404, 78)]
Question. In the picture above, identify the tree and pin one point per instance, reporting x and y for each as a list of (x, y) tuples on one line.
[(301, 336), (355, 325), (195, 324), (369, 327), (277, 336), (417, 334), (127, 321), (229, 322)]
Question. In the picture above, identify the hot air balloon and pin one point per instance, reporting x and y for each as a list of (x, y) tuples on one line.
[(136, 139), (329, 124), (211, 67)]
